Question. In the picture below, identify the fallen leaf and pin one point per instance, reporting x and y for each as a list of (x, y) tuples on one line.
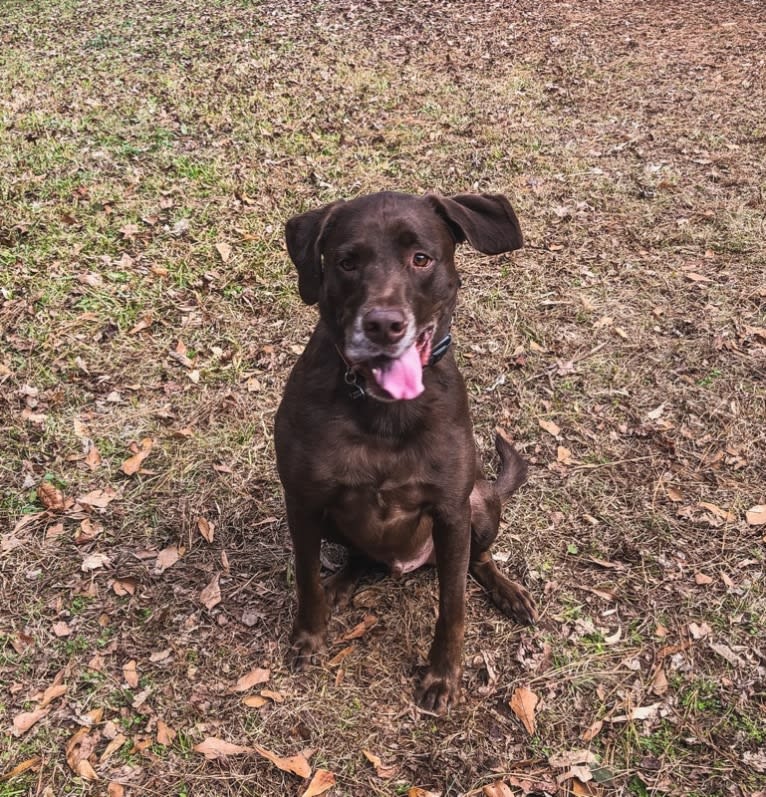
[(564, 455), (133, 464), (297, 764), (115, 789), (659, 683), (224, 250), (98, 498), (638, 713), (550, 427), (497, 789), (322, 781), (50, 496), (141, 325), (165, 734), (94, 561), (213, 748), (23, 721), (124, 586), (718, 512), (277, 697), (656, 413), (24, 766), (381, 770), (695, 277), (130, 673), (92, 458), (166, 558), (570, 758), (210, 596), (61, 628), (53, 692), (254, 701), (114, 745), (251, 679), (674, 495), (87, 531), (699, 631), (592, 730), (78, 750), (700, 579), (523, 704), (368, 621), (756, 515), (416, 791), (206, 529), (338, 657)]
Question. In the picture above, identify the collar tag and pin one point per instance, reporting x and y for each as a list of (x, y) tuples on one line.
[(440, 349)]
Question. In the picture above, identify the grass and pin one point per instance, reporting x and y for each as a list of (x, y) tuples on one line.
[(135, 137)]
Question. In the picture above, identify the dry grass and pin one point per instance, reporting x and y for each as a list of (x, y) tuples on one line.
[(136, 136)]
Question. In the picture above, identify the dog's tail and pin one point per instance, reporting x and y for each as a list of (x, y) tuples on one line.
[(513, 468)]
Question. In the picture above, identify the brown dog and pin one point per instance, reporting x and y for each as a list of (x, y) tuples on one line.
[(374, 441)]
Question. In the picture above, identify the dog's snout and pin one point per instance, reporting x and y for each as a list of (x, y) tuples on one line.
[(384, 325)]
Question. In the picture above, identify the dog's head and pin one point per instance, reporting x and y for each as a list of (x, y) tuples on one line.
[(382, 269)]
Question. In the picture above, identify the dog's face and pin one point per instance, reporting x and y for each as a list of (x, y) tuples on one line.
[(382, 269)]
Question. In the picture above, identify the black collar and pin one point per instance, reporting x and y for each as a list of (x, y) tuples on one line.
[(355, 381)]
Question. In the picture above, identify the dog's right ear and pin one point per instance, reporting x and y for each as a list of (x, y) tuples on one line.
[(304, 237)]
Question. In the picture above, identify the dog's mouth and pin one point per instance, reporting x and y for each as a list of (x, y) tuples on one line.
[(402, 377)]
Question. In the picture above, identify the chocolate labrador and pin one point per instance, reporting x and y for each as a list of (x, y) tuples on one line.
[(374, 442)]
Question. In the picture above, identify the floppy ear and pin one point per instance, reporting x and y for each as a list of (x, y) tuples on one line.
[(486, 221), (303, 235)]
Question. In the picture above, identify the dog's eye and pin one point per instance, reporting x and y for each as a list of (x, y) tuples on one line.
[(421, 260), (347, 265)]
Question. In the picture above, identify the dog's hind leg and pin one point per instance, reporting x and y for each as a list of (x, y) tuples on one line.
[(487, 499), (339, 587)]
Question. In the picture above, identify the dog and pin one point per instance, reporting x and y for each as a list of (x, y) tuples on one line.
[(373, 437)]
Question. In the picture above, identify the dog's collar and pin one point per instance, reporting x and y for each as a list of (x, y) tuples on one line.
[(355, 380)]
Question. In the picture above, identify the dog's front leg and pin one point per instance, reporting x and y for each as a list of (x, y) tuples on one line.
[(440, 686), (310, 626)]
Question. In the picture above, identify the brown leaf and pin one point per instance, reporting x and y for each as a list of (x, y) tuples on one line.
[(277, 697), (381, 769), (206, 528), (210, 596), (224, 250), (98, 498), (550, 427), (165, 734), (497, 789), (124, 586), (251, 679), (416, 791), (144, 323), (523, 704), (115, 789), (23, 721), (322, 781), (756, 515), (130, 673), (114, 745), (695, 277), (133, 464), (297, 764), (92, 458), (78, 750), (24, 766), (61, 628), (338, 657), (563, 455), (50, 496), (254, 701), (94, 561), (166, 558), (570, 758), (53, 692), (87, 531), (659, 683), (674, 495), (368, 621), (213, 748), (592, 730), (700, 579), (724, 514)]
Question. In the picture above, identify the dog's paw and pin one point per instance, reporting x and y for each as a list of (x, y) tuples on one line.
[(305, 649), (438, 692), (514, 601)]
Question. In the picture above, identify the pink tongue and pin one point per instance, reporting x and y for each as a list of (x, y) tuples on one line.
[(403, 377)]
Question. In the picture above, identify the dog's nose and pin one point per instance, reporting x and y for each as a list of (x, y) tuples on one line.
[(384, 326)]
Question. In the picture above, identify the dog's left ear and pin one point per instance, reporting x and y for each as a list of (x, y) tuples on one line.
[(304, 236), (486, 221)]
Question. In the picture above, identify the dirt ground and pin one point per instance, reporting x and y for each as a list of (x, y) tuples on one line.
[(150, 153)]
